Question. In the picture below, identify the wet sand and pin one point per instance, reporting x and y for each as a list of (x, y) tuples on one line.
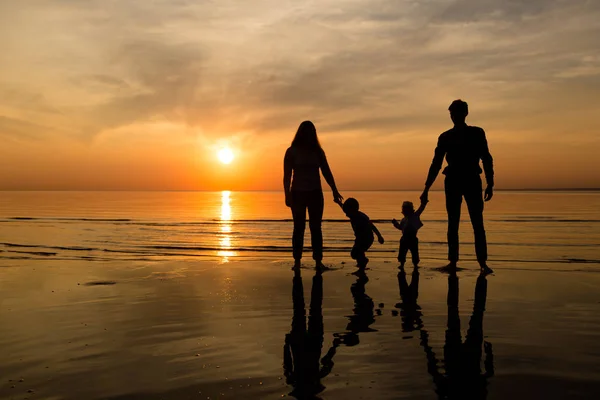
[(256, 330)]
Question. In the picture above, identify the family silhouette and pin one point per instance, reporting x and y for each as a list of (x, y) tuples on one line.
[(458, 375), (463, 146)]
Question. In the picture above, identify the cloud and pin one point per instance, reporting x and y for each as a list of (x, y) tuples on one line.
[(507, 10), (263, 66), (16, 129), (163, 83)]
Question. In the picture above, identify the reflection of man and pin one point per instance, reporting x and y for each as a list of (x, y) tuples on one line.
[(463, 146), (302, 350), (463, 378)]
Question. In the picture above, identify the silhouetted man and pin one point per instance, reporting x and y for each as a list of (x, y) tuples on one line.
[(463, 146)]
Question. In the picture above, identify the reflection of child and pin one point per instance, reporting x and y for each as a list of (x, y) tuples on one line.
[(409, 226), (363, 231)]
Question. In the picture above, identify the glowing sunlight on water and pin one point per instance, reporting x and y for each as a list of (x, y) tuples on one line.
[(226, 205), (225, 228)]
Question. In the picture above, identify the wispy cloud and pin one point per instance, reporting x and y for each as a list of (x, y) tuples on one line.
[(256, 64)]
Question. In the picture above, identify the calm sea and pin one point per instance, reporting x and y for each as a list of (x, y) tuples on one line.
[(525, 229)]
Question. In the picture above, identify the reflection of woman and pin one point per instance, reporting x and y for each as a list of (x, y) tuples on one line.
[(302, 186), (302, 363)]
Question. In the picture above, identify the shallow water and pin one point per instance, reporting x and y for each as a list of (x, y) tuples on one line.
[(538, 228)]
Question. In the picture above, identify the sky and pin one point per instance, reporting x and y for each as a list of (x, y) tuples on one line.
[(141, 94)]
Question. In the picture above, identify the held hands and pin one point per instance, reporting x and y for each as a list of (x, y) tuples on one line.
[(489, 193), (337, 197), (425, 196)]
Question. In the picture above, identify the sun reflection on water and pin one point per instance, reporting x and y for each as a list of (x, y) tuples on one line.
[(225, 251)]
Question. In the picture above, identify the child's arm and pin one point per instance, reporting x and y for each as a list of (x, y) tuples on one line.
[(396, 224), (379, 237), (422, 207)]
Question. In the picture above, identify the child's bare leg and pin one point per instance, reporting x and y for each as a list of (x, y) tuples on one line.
[(362, 261), (358, 254), (414, 251), (402, 252)]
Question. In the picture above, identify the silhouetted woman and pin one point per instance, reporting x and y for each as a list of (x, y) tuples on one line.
[(302, 186)]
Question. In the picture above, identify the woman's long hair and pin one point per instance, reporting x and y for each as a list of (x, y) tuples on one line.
[(306, 137)]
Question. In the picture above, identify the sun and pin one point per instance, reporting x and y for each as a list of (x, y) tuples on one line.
[(225, 155)]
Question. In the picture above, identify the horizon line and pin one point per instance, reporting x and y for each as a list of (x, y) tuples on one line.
[(590, 189)]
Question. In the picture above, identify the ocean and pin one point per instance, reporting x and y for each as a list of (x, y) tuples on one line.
[(525, 229), (185, 295)]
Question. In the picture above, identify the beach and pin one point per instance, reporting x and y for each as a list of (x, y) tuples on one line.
[(206, 330), (123, 302)]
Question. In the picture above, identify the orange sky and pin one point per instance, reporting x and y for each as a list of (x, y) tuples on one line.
[(140, 95)]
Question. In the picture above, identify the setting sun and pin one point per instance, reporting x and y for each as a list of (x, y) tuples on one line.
[(225, 155)]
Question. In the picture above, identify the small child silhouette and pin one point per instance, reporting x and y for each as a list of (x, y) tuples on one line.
[(409, 225), (363, 231)]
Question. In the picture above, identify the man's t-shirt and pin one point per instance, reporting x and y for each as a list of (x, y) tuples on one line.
[(463, 147)]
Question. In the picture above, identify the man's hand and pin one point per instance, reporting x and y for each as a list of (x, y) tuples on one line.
[(288, 200), (489, 193), (380, 239), (425, 196)]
